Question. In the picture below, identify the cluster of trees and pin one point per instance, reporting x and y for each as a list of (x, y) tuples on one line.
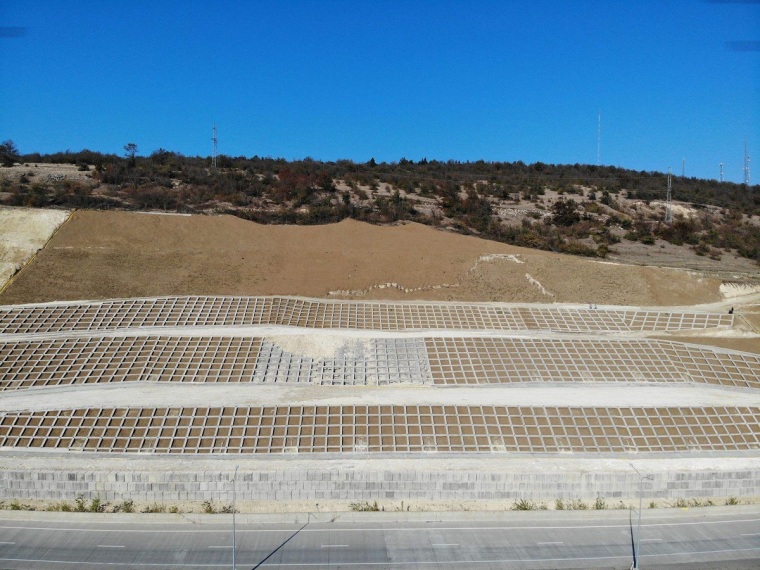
[(9, 154), (274, 190)]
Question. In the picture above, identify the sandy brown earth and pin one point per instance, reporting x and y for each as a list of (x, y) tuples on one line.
[(23, 231), (120, 254)]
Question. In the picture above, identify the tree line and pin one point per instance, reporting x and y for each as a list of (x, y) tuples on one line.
[(464, 194)]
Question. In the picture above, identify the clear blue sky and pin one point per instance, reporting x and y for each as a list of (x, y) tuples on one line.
[(466, 80)]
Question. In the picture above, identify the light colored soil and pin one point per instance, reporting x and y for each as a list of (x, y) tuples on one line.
[(45, 172), (100, 255), (23, 231), (333, 510), (148, 395), (751, 344)]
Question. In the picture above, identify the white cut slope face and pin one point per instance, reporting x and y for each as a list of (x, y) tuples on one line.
[(23, 232), (735, 290)]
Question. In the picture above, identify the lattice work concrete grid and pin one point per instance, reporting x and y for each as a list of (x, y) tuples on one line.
[(497, 360), (410, 428), (125, 359), (410, 360), (313, 313)]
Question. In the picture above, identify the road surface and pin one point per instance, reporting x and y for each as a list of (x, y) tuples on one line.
[(713, 537)]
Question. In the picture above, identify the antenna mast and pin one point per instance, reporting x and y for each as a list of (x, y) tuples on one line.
[(721, 172), (746, 164), (683, 168), (213, 158), (668, 210)]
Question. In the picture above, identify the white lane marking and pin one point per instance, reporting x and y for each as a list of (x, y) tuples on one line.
[(378, 529), (386, 563), (7, 543), (334, 546), (542, 543), (750, 534), (452, 544), (222, 546), (111, 546), (651, 540)]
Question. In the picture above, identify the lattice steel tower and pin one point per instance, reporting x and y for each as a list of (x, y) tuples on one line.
[(213, 157), (746, 164)]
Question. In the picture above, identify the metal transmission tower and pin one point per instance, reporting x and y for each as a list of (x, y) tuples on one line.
[(683, 168), (746, 165), (668, 208), (213, 158), (721, 172)]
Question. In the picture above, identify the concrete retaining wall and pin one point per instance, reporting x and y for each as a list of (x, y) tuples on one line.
[(355, 485)]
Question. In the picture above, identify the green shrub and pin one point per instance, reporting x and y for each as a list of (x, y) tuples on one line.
[(125, 507), (523, 505), (81, 504), (577, 505), (96, 506), (364, 506)]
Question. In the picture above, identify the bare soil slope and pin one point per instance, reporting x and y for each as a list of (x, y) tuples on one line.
[(121, 254), (23, 231)]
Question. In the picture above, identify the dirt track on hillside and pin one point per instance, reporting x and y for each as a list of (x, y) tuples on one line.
[(120, 254)]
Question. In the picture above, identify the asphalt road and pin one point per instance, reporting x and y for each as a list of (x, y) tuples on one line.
[(715, 537)]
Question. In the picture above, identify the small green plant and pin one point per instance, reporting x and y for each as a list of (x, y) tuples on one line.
[(577, 505), (174, 509), (125, 507), (681, 503), (599, 504), (15, 505), (96, 506), (81, 504), (698, 503), (155, 508), (559, 505), (652, 505), (227, 509), (63, 506), (208, 507), (732, 501), (364, 506), (523, 505)]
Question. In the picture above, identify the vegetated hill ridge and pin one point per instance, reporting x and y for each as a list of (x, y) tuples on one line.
[(579, 209)]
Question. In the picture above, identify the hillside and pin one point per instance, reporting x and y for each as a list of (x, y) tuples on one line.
[(98, 255), (578, 209)]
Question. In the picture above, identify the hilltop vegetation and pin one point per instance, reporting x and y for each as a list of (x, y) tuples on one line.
[(579, 209)]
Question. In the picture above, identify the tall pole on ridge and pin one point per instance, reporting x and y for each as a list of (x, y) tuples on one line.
[(213, 157)]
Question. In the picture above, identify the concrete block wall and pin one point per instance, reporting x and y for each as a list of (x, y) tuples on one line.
[(358, 485)]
